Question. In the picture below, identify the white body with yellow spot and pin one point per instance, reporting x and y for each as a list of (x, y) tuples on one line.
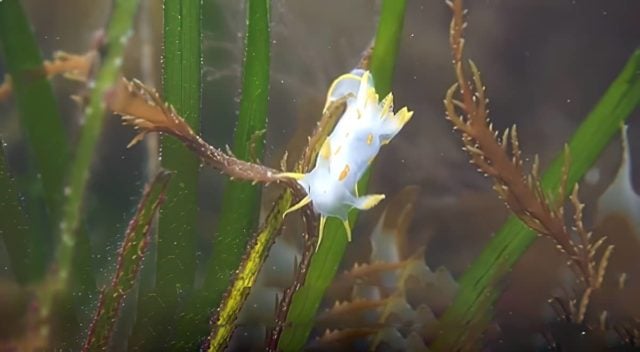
[(365, 126)]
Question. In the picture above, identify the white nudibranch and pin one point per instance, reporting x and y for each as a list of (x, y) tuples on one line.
[(364, 127)]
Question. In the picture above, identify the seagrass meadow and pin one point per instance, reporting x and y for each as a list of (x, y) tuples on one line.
[(255, 175)]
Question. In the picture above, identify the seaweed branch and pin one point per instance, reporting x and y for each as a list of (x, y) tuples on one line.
[(142, 108), (283, 306), (468, 316), (501, 159), (131, 254)]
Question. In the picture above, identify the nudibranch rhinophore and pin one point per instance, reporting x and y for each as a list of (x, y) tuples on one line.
[(365, 126)]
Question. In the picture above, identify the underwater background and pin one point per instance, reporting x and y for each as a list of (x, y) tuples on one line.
[(545, 65)]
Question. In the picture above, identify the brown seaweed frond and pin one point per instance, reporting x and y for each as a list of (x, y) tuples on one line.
[(76, 67), (130, 257), (499, 157), (143, 108), (283, 305), (355, 307), (369, 271)]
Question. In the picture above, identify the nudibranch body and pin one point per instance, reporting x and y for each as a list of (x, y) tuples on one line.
[(364, 127)]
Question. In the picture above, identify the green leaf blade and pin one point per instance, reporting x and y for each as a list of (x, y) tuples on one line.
[(44, 131), (26, 261), (72, 252), (176, 239), (241, 201), (34, 96), (181, 85)]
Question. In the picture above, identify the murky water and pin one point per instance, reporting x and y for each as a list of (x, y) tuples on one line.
[(545, 65)]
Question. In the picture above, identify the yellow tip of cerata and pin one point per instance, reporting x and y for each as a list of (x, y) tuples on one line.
[(387, 104), (404, 115), (373, 200)]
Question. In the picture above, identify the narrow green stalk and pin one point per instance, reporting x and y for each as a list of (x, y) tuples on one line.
[(181, 85), (467, 318), (131, 254), (176, 247), (326, 260), (241, 202), (387, 43), (26, 262), (37, 105), (118, 32), (41, 122)]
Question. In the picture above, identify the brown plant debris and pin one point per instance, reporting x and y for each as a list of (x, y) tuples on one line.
[(499, 157)]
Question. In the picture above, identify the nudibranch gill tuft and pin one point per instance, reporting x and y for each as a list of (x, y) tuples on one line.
[(364, 127)]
